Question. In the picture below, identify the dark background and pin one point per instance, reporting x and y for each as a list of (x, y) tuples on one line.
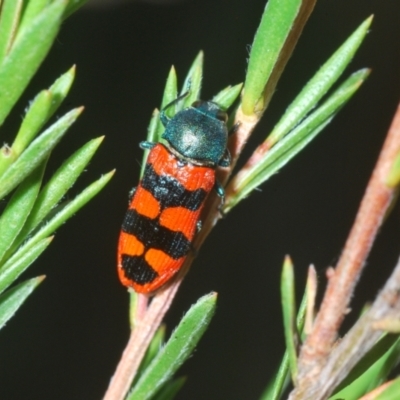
[(66, 340)]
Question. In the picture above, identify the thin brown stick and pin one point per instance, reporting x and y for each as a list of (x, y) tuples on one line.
[(138, 343), (373, 208), (358, 341)]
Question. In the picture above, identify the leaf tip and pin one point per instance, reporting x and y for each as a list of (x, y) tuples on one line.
[(111, 173), (287, 262)]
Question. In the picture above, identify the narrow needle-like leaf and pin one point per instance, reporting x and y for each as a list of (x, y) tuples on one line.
[(60, 88), (9, 19), (289, 314), (16, 265), (38, 150), (177, 350), (275, 26), (33, 121), (170, 389), (319, 84), (372, 370), (65, 213), (192, 83), (151, 136), (13, 299), (41, 109), (29, 49), (61, 181), (226, 97), (274, 159), (281, 380), (32, 9), (170, 94), (18, 209)]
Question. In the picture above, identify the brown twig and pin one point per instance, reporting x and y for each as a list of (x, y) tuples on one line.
[(358, 341), (377, 199), (138, 342)]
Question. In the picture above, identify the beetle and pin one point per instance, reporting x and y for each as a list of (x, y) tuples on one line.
[(164, 211)]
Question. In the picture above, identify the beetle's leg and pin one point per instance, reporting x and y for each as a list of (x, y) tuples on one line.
[(225, 161), (145, 145), (234, 128), (220, 191), (199, 225)]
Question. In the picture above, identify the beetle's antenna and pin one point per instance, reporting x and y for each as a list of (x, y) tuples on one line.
[(179, 98)]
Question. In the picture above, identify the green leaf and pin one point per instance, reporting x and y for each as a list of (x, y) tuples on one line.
[(40, 110), (73, 5), (226, 97), (391, 392), (153, 349), (179, 347), (319, 84), (33, 9), (170, 389), (38, 150), (61, 181), (279, 155), (18, 209), (192, 82), (17, 264), (12, 300), (64, 214), (60, 88), (9, 19), (277, 386), (289, 314), (30, 47), (276, 23), (170, 94), (34, 120), (372, 370), (151, 137)]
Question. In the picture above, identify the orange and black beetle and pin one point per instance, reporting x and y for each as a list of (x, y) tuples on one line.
[(163, 215)]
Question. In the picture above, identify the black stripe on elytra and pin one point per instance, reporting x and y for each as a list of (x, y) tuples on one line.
[(153, 235), (137, 269), (170, 192)]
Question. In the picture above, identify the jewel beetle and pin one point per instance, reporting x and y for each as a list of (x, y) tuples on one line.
[(164, 212)]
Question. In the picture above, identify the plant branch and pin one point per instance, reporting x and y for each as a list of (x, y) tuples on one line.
[(342, 280), (139, 341), (358, 341)]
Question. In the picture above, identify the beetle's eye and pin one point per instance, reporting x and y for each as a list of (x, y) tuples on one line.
[(222, 116)]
